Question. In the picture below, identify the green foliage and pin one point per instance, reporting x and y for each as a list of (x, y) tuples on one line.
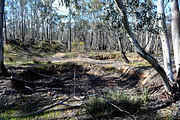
[(170, 118), (81, 45), (74, 45), (70, 55), (122, 99), (96, 106), (56, 46), (44, 46), (137, 64), (145, 95), (77, 46), (116, 56), (105, 56)]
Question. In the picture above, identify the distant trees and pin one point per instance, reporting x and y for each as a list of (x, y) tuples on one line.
[(33, 21), (29, 19), (22, 10)]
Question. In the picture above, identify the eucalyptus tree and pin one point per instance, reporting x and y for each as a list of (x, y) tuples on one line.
[(2, 67), (122, 8), (12, 18), (48, 15), (84, 13), (22, 9), (164, 40), (34, 7), (99, 32), (70, 28), (112, 21), (175, 28)]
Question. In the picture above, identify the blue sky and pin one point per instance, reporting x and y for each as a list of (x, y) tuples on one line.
[(61, 8)]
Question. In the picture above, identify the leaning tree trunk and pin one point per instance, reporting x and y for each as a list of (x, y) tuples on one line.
[(140, 50), (164, 40), (175, 28), (123, 52), (2, 67)]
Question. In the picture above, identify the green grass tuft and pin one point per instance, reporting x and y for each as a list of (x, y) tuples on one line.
[(97, 106)]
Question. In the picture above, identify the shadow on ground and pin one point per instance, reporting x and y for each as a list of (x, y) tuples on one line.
[(50, 81), (70, 78)]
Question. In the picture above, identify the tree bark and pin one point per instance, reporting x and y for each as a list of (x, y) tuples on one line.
[(2, 67), (22, 20), (175, 28), (5, 29), (70, 38), (122, 51), (70, 35), (91, 40), (140, 50), (164, 40)]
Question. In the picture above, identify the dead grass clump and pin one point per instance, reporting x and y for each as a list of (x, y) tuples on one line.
[(106, 56)]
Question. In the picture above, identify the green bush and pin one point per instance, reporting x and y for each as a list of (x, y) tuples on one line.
[(145, 95), (97, 106), (70, 55)]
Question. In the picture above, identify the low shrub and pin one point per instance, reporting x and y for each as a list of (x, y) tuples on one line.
[(97, 106)]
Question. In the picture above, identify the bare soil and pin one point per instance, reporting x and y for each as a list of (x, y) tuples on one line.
[(81, 76)]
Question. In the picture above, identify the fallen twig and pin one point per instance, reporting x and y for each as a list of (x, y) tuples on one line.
[(159, 105), (65, 109), (126, 72), (43, 109)]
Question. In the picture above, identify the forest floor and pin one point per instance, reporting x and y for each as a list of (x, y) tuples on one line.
[(62, 83)]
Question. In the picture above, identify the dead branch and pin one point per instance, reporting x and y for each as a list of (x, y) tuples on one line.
[(126, 72), (159, 105), (43, 109), (65, 109), (48, 107)]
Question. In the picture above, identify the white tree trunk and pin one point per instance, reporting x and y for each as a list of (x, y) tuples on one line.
[(164, 40), (175, 28), (140, 50), (149, 42)]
